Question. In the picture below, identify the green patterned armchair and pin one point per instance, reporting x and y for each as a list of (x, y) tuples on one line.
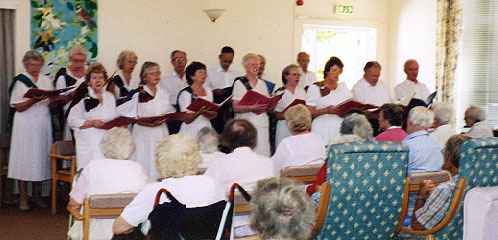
[(479, 164), (366, 190)]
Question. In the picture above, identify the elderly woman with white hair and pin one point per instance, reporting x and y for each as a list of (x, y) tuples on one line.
[(303, 147), (475, 118), (124, 82), (177, 158), (251, 82), (112, 174), (425, 152), (443, 113), (31, 130), (208, 141), (281, 210)]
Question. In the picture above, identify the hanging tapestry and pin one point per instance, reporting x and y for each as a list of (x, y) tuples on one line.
[(56, 25)]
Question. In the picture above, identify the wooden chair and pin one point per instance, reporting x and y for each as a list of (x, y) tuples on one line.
[(102, 206), (455, 203), (241, 205), (62, 151), (304, 174), (321, 211), (4, 153)]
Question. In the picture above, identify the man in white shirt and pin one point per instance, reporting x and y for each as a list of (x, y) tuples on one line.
[(307, 77), (411, 84), (369, 89), (174, 82)]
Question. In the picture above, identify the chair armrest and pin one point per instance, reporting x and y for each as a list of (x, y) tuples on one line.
[(75, 213)]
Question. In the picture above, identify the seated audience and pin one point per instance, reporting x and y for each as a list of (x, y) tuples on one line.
[(432, 204), (281, 210), (303, 147), (425, 152), (112, 174), (475, 118), (442, 122), (354, 128), (243, 165), (207, 138), (390, 122), (177, 158)]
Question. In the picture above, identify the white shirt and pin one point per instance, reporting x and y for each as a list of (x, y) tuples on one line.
[(60, 83), (298, 150), (242, 166), (306, 79), (17, 94), (173, 84), (407, 87), (134, 81), (105, 111), (376, 95), (208, 158), (193, 191), (442, 133), (217, 78), (239, 90), (480, 130)]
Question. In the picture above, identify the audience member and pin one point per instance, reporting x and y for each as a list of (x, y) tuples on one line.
[(390, 122), (31, 130), (71, 76), (281, 210), (194, 121), (368, 89), (87, 115), (425, 152), (307, 77), (475, 118), (152, 101), (112, 174), (443, 113), (174, 82), (411, 84), (303, 147), (177, 158), (207, 138), (433, 203), (253, 112), (323, 96), (290, 91), (354, 128), (124, 82)]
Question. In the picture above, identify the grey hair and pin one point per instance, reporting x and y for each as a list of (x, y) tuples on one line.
[(357, 124), (286, 71), (421, 117), (248, 56), (443, 112), (281, 209), (345, 139), (207, 138), (117, 143), (177, 156), (32, 55), (145, 69), (475, 113), (298, 118)]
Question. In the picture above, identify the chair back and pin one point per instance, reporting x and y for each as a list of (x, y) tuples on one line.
[(480, 213), (304, 174), (4, 148), (479, 165), (366, 190), (64, 148)]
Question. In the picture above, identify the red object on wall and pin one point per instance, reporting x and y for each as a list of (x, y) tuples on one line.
[(299, 2)]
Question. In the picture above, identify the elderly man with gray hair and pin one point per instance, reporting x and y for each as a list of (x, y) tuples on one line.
[(475, 118), (442, 122), (207, 138), (425, 152)]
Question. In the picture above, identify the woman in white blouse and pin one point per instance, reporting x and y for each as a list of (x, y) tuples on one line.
[(303, 147), (194, 121), (322, 97), (261, 122), (31, 130), (290, 78), (152, 101), (89, 113), (124, 82)]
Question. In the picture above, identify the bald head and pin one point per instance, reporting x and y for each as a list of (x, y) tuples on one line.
[(303, 59), (411, 69), (262, 63)]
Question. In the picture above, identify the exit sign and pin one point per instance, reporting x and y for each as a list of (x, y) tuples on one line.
[(344, 9)]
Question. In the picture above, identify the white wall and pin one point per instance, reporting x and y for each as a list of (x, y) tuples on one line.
[(413, 35), (153, 28)]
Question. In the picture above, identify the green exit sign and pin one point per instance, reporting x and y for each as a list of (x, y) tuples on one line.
[(344, 9)]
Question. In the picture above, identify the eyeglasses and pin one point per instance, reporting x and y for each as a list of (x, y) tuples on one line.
[(178, 59), (154, 73), (295, 74)]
